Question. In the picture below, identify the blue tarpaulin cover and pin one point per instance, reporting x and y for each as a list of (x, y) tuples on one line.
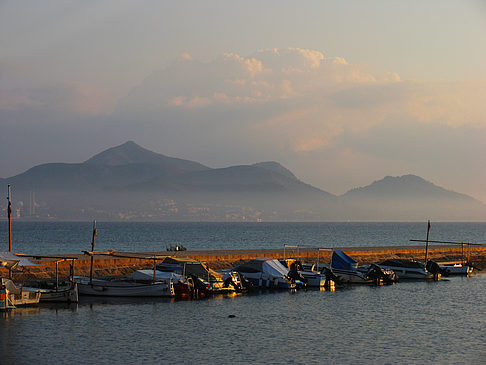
[(342, 261)]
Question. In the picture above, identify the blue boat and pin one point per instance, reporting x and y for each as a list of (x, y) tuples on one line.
[(348, 271)]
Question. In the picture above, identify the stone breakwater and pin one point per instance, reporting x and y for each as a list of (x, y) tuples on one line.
[(223, 259)]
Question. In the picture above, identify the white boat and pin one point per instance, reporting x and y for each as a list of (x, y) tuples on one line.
[(456, 269), (124, 287), (309, 275), (407, 269), (347, 270), (265, 273), (12, 296)]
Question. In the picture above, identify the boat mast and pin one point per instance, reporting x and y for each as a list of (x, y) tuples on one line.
[(427, 242), (9, 210), (92, 253)]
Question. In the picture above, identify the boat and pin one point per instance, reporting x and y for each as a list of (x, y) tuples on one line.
[(267, 273), (67, 292), (347, 270), (124, 287), (407, 269), (206, 281), (452, 269), (310, 276), (183, 286), (12, 296)]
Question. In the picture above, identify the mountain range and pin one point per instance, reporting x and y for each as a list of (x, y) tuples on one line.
[(129, 182)]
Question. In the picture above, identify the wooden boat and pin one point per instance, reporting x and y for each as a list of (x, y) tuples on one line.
[(68, 294), (59, 293), (12, 296), (123, 287), (183, 286)]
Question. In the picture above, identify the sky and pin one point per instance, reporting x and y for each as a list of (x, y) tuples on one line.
[(342, 93)]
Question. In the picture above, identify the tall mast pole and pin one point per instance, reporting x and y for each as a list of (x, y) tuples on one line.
[(427, 243), (9, 209), (92, 253)]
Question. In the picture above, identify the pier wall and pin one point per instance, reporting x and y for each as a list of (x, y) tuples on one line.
[(220, 259)]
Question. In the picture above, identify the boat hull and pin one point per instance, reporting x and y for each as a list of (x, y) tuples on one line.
[(67, 295), (119, 288), (410, 273), (456, 269), (262, 281)]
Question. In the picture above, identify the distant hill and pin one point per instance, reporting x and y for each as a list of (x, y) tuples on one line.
[(410, 197), (131, 153), (406, 186), (129, 182)]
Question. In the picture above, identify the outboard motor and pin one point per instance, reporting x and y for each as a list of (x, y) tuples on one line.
[(199, 287), (378, 275), (330, 279), (434, 268), (294, 274)]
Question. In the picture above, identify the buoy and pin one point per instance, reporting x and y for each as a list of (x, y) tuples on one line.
[(231, 316)]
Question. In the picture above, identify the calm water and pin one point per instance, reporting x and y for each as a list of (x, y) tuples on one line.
[(65, 237), (405, 323)]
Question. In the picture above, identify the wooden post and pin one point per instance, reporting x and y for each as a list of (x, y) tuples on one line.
[(92, 255), (57, 275), (155, 270), (427, 243), (9, 212), (71, 269)]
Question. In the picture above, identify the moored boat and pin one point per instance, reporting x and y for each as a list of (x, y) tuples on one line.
[(407, 269), (206, 281), (123, 287), (12, 296), (347, 270), (266, 273), (451, 269)]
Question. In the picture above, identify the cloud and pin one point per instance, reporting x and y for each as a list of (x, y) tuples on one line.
[(67, 98), (330, 120)]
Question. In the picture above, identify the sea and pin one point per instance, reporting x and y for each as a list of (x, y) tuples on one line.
[(404, 323)]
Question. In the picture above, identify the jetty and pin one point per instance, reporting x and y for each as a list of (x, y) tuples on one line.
[(113, 263)]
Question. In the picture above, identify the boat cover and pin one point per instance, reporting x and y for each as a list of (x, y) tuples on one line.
[(191, 267), (271, 267), (402, 263), (8, 258), (341, 261), (159, 275)]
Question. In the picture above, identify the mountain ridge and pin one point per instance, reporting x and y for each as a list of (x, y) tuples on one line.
[(130, 178)]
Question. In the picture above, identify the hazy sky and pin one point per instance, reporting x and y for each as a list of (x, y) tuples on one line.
[(340, 92)]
